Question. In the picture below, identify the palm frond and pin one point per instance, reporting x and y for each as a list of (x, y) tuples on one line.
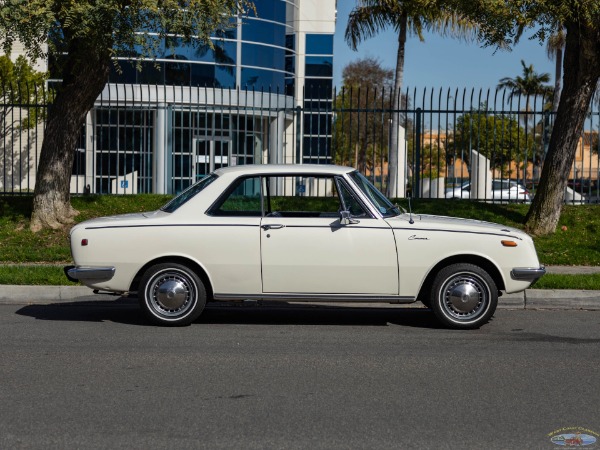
[(369, 18)]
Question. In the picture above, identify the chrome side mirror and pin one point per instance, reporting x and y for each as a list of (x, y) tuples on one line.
[(346, 218)]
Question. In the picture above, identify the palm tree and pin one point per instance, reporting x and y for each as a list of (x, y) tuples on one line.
[(531, 83), (370, 17)]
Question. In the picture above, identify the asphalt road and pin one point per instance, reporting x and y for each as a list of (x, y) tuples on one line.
[(95, 375)]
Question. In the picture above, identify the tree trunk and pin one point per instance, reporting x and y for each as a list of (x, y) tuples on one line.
[(84, 76), (581, 74), (392, 189), (557, 79)]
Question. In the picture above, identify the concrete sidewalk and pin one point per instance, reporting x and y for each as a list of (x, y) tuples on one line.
[(573, 270)]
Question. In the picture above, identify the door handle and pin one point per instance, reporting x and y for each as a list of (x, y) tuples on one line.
[(272, 227)]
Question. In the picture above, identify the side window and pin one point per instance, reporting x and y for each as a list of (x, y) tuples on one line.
[(350, 202), (241, 199), (301, 196)]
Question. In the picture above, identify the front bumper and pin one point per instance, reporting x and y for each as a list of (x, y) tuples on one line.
[(530, 274), (89, 275)]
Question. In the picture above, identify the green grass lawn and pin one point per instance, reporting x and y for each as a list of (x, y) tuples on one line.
[(19, 245), (560, 281), (577, 244), (39, 275)]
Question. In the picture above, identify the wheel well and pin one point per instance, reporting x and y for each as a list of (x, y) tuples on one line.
[(485, 264), (177, 260)]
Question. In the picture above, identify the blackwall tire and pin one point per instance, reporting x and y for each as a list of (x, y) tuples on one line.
[(172, 294), (463, 296)]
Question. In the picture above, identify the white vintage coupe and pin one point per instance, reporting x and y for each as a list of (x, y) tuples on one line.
[(300, 233)]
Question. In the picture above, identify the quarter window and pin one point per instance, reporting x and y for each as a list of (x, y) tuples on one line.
[(242, 199), (188, 194)]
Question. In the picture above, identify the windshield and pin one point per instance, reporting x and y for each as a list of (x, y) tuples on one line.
[(188, 194), (384, 206)]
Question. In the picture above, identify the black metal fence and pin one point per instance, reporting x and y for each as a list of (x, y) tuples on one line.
[(479, 144)]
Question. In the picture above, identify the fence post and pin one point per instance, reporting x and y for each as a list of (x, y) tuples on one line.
[(160, 150), (417, 177), (298, 134)]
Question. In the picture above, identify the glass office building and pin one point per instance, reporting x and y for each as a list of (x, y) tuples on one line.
[(250, 98)]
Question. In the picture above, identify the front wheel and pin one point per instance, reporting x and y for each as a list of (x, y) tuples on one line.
[(172, 294), (463, 296)]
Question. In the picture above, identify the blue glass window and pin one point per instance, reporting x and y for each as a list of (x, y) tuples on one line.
[(290, 42), (203, 75), (290, 86), (290, 55), (177, 73), (318, 89), (317, 148), (317, 124), (262, 80), (319, 66), (223, 52), (319, 44), (150, 74), (270, 10), (209, 75), (127, 75), (265, 32), (263, 56), (225, 76)]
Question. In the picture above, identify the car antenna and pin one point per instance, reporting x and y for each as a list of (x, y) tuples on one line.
[(410, 219)]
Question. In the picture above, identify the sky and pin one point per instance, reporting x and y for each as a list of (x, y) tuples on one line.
[(440, 62)]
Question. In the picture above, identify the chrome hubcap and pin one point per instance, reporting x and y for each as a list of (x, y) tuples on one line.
[(171, 293), (465, 296)]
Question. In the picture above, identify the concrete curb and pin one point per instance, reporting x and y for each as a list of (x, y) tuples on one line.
[(551, 299), (530, 299), (562, 299), (43, 295)]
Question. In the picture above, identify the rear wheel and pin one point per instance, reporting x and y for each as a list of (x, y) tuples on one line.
[(463, 296), (172, 294)]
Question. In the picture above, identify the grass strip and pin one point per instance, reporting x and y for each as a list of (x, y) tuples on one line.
[(590, 282), (34, 275)]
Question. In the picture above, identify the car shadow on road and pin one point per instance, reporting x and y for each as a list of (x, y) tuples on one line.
[(127, 311), (310, 314), (120, 310)]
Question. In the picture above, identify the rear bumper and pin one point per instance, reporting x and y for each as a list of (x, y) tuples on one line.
[(89, 275), (530, 274)]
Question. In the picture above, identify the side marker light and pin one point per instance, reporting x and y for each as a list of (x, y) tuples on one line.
[(509, 243), (84, 242)]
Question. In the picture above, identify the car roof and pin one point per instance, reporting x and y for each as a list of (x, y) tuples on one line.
[(317, 169)]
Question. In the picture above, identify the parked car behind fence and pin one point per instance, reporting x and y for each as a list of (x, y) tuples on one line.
[(502, 190)]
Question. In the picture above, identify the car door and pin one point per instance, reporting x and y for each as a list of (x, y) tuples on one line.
[(306, 249)]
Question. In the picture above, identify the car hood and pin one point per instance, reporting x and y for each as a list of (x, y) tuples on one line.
[(454, 224)]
